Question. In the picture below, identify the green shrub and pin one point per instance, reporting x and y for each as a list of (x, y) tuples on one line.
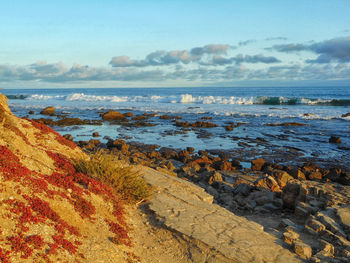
[(127, 183)]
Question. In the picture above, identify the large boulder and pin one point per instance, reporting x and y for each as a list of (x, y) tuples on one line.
[(112, 116), (268, 182), (48, 111)]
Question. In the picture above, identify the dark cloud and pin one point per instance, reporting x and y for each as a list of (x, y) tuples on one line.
[(333, 50), (337, 49), (288, 47)]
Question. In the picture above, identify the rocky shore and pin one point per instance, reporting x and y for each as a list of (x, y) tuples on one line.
[(213, 203), (308, 207)]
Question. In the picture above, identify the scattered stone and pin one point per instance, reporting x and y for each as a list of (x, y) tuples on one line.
[(298, 174), (282, 177), (48, 111), (317, 226), (139, 118), (290, 237), (68, 137), (31, 112), (334, 139), (327, 248), (216, 177), (95, 134), (198, 124), (128, 114), (287, 124), (257, 164), (315, 176), (268, 182), (302, 250)]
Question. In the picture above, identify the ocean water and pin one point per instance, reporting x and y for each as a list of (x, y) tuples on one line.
[(321, 108)]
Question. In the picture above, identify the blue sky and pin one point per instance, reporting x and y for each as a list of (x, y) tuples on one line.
[(174, 43)]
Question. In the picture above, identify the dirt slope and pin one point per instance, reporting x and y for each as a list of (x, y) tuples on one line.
[(48, 211)]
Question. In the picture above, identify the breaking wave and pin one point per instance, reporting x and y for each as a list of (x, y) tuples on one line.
[(189, 99)]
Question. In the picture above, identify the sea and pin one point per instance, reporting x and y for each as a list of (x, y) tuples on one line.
[(323, 110)]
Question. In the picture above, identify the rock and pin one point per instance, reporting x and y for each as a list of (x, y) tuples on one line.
[(334, 139), (316, 225), (68, 137), (257, 164), (216, 177), (164, 117), (330, 224), (298, 174), (268, 182), (95, 142), (190, 150), (292, 193), (236, 164), (243, 189), (315, 176), (95, 134), (31, 112), (183, 156), (223, 165), (228, 128), (333, 174), (286, 124), (290, 237), (346, 115), (302, 250), (301, 213), (287, 223), (112, 115), (327, 248), (282, 177), (48, 111), (139, 118), (198, 124), (344, 216), (128, 114)]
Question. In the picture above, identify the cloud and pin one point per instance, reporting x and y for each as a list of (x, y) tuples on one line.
[(166, 58), (333, 50), (276, 38), (246, 42), (288, 47), (60, 73), (216, 49)]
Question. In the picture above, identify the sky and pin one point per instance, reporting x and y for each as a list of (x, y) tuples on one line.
[(159, 43)]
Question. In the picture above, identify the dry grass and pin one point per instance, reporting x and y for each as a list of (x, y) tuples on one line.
[(128, 184)]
